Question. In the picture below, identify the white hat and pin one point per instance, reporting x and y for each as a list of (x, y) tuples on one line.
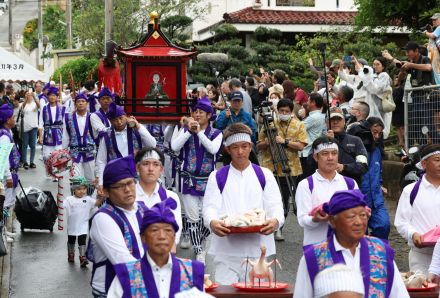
[(338, 278)]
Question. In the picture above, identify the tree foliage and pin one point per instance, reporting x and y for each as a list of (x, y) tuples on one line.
[(377, 13), (176, 28), (52, 29), (81, 69)]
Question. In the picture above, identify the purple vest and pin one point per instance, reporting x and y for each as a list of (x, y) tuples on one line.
[(133, 139), (137, 279), (81, 144), (53, 128), (197, 164), (376, 257), (14, 156), (102, 115), (157, 132), (127, 231)]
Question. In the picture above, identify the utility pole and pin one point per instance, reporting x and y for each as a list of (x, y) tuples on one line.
[(108, 35), (10, 23), (40, 36), (69, 23)]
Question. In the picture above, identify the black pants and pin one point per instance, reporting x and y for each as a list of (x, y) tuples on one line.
[(285, 193), (81, 239)]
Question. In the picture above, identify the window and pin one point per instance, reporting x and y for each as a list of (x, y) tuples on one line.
[(295, 2)]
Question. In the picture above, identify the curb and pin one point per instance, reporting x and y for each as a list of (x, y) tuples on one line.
[(5, 267)]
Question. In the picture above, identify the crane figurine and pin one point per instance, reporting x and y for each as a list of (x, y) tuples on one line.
[(261, 268)]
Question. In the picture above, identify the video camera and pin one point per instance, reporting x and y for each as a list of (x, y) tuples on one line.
[(265, 110)]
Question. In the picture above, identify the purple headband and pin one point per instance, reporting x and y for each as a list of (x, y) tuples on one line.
[(204, 104), (115, 111), (118, 169), (160, 213), (52, 90), (105, 92), (81, 96), (343, 200), (6, 112)]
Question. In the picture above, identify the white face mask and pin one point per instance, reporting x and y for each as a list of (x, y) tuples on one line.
[(274, 102), (284, 117), (346, 71)]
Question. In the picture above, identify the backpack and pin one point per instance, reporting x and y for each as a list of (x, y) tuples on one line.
[(222, 175), (348, 181)]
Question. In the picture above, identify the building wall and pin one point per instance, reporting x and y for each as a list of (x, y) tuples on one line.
[(216, 9)]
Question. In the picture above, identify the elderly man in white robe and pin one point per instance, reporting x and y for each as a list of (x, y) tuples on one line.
[(236, 189)]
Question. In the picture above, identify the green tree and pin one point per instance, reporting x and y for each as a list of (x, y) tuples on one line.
[(378, 13), (52, 28), (176, 28), (129, 22), (81, 69)]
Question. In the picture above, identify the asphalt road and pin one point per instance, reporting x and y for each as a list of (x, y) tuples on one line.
[(22, 12), (39, 258)]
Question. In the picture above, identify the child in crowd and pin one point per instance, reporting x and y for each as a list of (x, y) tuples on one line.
[(77, 209)]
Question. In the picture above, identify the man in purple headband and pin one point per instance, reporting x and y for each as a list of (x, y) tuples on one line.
[(348, 245), (10, 177), (50, 124), (200, 143), (418, 209), (158, 273), (78, 138), (115, 227), (99, 118), (125, 137)]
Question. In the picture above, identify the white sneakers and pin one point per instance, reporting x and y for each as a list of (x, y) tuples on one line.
[(9, 236), (185, 243), (9, 239)]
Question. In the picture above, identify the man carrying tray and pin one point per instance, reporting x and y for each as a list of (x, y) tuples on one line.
[(236, 189)]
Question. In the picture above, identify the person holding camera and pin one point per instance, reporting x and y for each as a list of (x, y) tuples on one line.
[(292, 136), (28, 117), (377, 84)]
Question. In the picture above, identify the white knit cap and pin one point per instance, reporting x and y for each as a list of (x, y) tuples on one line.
[(238, 137), (338, 278)]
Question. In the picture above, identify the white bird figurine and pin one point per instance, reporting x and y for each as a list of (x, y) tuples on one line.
[(261, 269)]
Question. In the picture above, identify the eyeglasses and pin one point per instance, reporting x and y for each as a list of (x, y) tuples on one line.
[(122, 186)]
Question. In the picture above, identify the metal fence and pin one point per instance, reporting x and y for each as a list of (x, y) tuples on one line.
[(422, 114)]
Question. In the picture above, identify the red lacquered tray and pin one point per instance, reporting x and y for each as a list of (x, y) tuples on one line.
[(430, 287), (262, 287), (211, 288), (248, 229)]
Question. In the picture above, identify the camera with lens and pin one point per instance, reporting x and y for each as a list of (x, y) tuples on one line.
[(427, 27)]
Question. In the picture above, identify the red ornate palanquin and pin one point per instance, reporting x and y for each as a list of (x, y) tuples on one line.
[(155, 77)]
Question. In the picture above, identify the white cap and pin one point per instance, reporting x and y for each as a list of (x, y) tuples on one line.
[(338, 278)]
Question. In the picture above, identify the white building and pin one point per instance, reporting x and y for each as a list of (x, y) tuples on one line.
[(285, 15)]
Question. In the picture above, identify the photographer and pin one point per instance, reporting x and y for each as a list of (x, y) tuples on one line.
[(28, 121), (435, 23), (292, 135), (377, 83), (420, 69)]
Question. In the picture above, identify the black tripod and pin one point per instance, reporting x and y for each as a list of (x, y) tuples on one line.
[(278, 154)]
